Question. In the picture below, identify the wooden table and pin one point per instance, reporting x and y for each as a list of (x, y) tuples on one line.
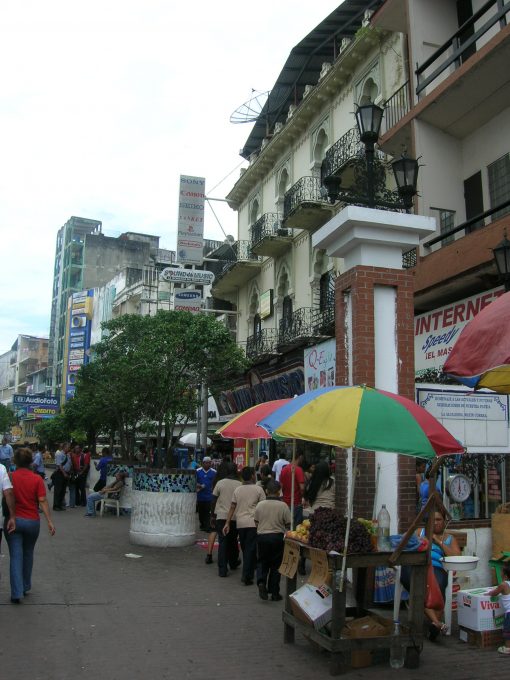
[(341, 647)]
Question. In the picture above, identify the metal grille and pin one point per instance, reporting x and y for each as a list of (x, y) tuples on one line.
[(270, 224), (307, 189), (262, 343)]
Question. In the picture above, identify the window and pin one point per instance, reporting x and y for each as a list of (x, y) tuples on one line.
[(257, 325), (326, 292), (287, 312), (446, 220), (499, 185)]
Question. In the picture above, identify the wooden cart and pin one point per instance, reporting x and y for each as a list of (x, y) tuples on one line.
[(341, 647)]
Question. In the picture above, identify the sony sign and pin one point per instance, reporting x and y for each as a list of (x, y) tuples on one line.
[(187, 276)]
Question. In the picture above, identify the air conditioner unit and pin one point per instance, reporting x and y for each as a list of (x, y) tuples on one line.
[(78, 322)]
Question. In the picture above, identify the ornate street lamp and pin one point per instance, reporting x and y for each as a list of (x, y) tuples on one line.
[(406, 176), (502, 258), (368, 120)]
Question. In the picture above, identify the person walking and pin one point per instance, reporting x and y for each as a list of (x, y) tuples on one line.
[(244, 501), (61, 476), (37, 461), (292, 489), (81, 467), (29, 495), (272, 519), (228, 550), (205, 480), (6, 454)]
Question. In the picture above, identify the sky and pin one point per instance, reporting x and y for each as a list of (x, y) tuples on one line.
[(104, 104)]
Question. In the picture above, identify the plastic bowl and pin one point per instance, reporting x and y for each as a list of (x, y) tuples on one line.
[(461, 563)]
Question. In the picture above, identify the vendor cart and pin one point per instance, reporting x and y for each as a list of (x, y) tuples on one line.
[(341, 647)]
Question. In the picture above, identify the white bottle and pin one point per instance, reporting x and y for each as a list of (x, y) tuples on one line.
[(383, 530), (397, 651)]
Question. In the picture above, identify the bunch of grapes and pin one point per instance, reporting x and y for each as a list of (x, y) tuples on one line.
[(327, 531)]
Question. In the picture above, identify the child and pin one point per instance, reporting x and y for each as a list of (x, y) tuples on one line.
[(272, 518), (504, 591)]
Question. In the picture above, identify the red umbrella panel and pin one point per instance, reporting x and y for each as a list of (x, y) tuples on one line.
[(481, 355), (244, 425)]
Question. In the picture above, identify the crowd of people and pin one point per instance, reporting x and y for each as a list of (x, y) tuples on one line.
[(251, 509)]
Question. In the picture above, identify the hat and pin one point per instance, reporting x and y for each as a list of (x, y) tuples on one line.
[(206, 459)]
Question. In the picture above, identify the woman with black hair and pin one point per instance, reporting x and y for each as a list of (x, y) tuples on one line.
[(320, 490)]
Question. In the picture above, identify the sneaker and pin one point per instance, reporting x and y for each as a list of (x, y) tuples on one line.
[(277, 597), (208, 559), (263, 591), (504, 650), (88, 515)]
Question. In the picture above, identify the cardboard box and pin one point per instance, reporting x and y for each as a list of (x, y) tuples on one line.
[(312, 604), (483, 639), (368, 627), (477, 611)]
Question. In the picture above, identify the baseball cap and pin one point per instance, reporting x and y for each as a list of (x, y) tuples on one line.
[(206, 459)]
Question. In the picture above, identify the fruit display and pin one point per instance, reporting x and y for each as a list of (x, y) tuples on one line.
[(301, 532), (327, 532)]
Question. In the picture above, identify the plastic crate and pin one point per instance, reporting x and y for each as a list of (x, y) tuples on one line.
[(484, 639)]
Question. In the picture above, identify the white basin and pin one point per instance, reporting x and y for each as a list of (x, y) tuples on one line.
[(460, 563)]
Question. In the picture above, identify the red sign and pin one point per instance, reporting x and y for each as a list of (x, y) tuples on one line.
[(240, 453)]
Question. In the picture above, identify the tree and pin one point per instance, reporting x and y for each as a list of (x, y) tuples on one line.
[(52, 431), (150, 368), (7, 418)]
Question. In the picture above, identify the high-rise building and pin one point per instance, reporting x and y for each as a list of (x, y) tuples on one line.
[(84, 259)]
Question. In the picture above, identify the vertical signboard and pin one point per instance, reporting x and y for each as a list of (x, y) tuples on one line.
[(320, 363), (80, 311), (190, 223)]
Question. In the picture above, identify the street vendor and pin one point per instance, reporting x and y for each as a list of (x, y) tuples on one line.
[(443, 545)]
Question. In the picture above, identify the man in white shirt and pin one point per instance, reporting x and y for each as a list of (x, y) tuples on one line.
[(8, 494), (278, 465)]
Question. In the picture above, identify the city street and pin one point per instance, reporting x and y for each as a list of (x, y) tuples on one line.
[(95, 612)]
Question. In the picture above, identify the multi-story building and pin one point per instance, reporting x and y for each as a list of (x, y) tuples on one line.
[(27, 355), (438, 69), (84, 259)]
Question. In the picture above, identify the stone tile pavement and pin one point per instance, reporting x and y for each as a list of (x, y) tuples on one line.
[(94, 612)]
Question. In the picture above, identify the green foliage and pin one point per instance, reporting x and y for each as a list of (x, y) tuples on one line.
[(434, 376), (6, 418), (149, 369), (52, 431)]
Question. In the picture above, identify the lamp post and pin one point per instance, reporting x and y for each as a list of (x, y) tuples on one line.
[(502, 258), (405, 170)]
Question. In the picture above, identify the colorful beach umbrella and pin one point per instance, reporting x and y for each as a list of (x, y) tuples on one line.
[(481, 355), (365, 418), (244, 425)]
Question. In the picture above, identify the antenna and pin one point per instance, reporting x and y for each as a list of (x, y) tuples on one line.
[(266, 103)]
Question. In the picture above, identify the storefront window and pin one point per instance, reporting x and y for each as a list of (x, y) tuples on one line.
[(480, 479)]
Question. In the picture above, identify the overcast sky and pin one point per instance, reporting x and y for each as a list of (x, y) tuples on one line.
[(104, 104)]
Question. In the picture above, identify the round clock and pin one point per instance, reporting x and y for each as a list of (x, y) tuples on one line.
[(459, 488)]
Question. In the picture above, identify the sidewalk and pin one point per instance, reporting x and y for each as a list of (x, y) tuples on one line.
[(95, 613)]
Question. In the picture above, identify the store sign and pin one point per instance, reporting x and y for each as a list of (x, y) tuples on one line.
[(320, 363), (188, 301), (266, 304), (190, 221), (28, 406), (175, 275), (240, 457), (284, 386), (436, 332)]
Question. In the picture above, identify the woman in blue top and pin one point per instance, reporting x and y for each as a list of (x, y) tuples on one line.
[(443, 544)]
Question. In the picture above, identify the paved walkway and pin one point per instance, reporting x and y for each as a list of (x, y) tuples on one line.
[(96, 613)]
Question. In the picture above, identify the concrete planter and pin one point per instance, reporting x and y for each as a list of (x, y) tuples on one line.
[(163, 508)]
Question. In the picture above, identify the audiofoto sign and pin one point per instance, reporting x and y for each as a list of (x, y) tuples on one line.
[(27, 406)]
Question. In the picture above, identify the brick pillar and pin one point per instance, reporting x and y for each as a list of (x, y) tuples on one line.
[(358, 283)]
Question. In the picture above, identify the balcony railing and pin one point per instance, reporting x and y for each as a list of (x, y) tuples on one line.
[(262, 343), (346, 148), (396, 107), (305, 190), (455, 49), (270, 224)]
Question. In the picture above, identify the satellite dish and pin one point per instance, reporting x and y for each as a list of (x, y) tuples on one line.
[(260, 102)]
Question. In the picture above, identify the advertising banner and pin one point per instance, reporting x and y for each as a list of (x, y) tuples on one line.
[(27, 406), (188, 301), (320, 363), (437, 331), (190, 222)]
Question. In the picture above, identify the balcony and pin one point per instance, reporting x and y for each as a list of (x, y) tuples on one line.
[(268, 237), (341, 156), (236, 269), (306, 326), (463, 84), (305, 205), (262, 346)]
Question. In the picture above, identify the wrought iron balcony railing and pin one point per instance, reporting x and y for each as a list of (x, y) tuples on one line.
[(305, 190), (396, 107), (296, 326), (349, 146), (323, 321), (262, 343), (239, 252), (270, 224)]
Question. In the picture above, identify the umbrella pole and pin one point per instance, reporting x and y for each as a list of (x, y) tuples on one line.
[(292, 483), (349, 513)]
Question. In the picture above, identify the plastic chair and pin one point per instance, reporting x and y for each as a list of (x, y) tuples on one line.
[(110, 501)]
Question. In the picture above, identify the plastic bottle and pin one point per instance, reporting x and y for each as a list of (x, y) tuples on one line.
[(383, 530), (397, 651)]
